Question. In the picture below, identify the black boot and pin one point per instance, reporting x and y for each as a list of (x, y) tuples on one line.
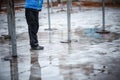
[(37, 48)]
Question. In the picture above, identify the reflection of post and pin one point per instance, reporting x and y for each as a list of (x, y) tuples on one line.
[(65, 68), (69, 48), (35, 67), (69, 66), (14, 69), (50, 37), (11, 26)]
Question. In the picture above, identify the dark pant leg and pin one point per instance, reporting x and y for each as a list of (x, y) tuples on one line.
[(33, 26), (59, 1)]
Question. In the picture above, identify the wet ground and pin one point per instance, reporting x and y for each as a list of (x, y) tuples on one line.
[(90, 56), (85, 58)]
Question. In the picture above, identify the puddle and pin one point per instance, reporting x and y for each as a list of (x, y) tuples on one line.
[(91, 33)]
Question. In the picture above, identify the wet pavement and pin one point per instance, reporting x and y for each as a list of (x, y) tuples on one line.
[(82, 59), (90, 56)]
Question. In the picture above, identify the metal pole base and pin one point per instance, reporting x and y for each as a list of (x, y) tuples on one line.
[(62, 10), (103, 32), (9, 57), (52, 12), (50, 29), (69, 41), (6, 36)]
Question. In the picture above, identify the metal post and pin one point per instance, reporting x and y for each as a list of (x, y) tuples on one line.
[(61, 5), (103, 14), (79, 5), (103, 19), (68, 21), (51, 6), (49, 22), (11, 26), (48, 6)]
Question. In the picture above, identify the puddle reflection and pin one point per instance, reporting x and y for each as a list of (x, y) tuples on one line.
[(66, 69), (14, 69), (93, 36), (92, 32), (71, 70), (50, 36), (35, 69)]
